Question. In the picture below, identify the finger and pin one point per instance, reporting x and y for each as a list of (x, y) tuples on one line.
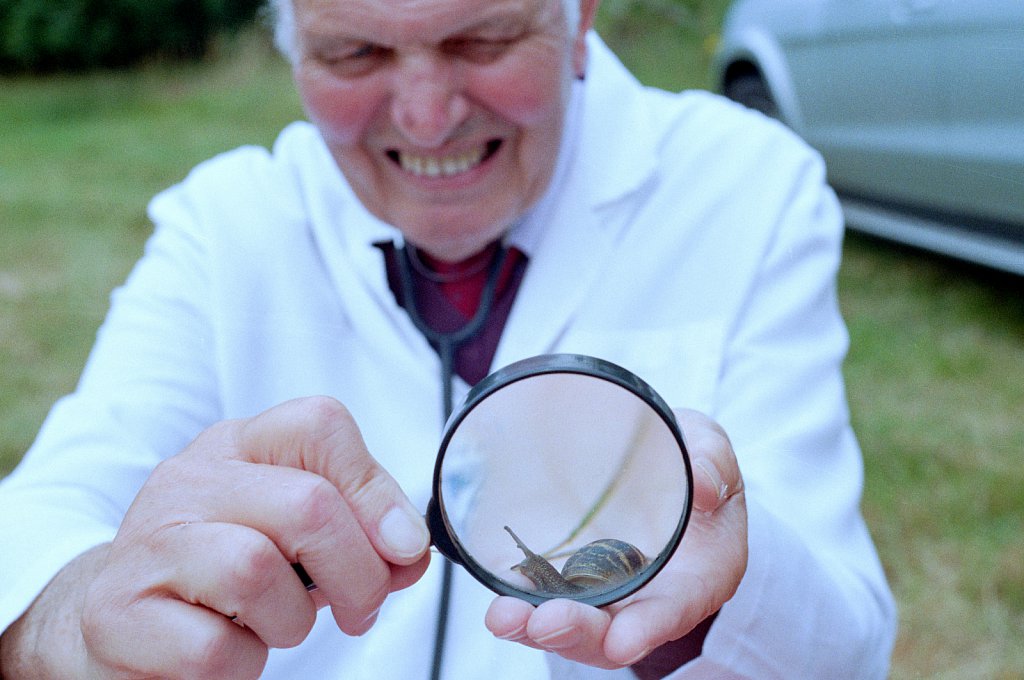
[(338, 514), (240, 573), (649, 622), (701, 576), (682, 595), (717, 475), (507, 618), (319, 435), (403, 576), (573, 630), (168, 638), (304, 515)]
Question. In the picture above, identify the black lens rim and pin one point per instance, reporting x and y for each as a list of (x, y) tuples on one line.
[(444, 538)]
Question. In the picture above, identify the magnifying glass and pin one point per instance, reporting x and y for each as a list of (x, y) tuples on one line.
[(561, 475)]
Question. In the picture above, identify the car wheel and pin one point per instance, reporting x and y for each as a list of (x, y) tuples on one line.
[(750, 90)]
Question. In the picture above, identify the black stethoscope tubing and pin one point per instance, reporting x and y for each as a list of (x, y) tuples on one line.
[(447, 344)]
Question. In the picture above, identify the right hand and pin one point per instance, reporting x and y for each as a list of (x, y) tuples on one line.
[(198, 582)]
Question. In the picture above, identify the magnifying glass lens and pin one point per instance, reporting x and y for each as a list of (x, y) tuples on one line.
[(563, 478)]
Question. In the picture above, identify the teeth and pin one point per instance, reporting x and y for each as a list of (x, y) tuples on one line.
[(430, 166)]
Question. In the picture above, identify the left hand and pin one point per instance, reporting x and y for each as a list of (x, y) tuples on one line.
[(701, 576)]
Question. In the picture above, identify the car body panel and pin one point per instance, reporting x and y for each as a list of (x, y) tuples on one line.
[(917, 106)]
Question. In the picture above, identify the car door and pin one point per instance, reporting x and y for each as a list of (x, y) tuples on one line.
[(977, 150), (869, 84)]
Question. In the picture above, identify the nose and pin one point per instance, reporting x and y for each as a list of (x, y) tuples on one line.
[(428, 103)]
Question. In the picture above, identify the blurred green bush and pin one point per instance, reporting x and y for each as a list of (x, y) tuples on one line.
[(72, 35)]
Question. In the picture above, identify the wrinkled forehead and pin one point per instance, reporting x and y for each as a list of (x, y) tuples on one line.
[(283, 13)]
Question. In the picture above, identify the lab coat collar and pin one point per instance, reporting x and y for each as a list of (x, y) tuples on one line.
[(604, 171), (610, 158), (618, 155)]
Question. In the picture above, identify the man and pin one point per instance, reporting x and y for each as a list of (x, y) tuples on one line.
[(687, 240)]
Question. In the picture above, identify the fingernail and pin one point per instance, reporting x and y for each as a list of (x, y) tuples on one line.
[(404, 533), (515, 634), (555, 638), (711, 472), (639, 657), (367, 623)]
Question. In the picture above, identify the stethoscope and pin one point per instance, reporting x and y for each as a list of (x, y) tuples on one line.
[(447, 344)]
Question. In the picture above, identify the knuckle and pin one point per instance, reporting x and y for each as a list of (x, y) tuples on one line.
[(325, 415), (100, 623), (334, 437), (94, 618), (218, 436), (216, 441), (328, 428), (317, 506), (209, 656), (255, 563), (364, 482), (167, 472)]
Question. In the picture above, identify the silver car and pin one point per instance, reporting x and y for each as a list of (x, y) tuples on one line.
[(916, 105)]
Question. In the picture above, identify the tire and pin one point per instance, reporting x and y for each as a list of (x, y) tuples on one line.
[(750, 90)]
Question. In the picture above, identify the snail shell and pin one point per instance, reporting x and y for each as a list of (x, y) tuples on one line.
[(599, 564), (605, 562)]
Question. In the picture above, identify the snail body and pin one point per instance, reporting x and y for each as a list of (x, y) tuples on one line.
[(599, 564)]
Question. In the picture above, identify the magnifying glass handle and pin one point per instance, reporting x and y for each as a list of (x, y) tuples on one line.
[(439, 535), (300, 571)]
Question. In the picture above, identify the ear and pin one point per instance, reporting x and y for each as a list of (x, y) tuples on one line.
[(588, 10)]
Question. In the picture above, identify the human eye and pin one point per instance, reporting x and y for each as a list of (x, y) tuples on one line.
[(351, 60), (477, 50), (483, 46)]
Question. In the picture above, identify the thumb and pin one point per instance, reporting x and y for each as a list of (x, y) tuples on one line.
[(319, 435), (716, 474)]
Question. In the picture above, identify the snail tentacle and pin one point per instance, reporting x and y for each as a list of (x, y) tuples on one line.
[(541, 572)]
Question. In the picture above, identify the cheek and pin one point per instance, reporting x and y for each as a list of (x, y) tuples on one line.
[(528, 95), (342, 112)]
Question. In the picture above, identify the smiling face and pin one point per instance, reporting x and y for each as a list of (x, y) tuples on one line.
[(444, 115)]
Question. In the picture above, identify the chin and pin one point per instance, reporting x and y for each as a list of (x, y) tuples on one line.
[(454, 243), (451, 250)]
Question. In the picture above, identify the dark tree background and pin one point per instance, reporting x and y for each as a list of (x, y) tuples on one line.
[(45, 36), (72, 35)]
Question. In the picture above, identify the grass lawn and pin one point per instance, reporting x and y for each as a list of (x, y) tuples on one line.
[(936, 369), (935, 380)]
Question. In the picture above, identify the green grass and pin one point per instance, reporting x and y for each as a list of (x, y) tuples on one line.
[(79, 159), (935, 369), (935, 379)]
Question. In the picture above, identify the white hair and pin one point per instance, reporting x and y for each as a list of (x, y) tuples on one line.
[(282, 14)]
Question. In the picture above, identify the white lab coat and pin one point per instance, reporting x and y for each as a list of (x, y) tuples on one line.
[(688, 240)]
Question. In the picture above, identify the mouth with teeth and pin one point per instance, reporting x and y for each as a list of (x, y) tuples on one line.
[(443, 166)]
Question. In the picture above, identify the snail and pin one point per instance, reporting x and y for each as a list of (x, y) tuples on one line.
[(599, 564)]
